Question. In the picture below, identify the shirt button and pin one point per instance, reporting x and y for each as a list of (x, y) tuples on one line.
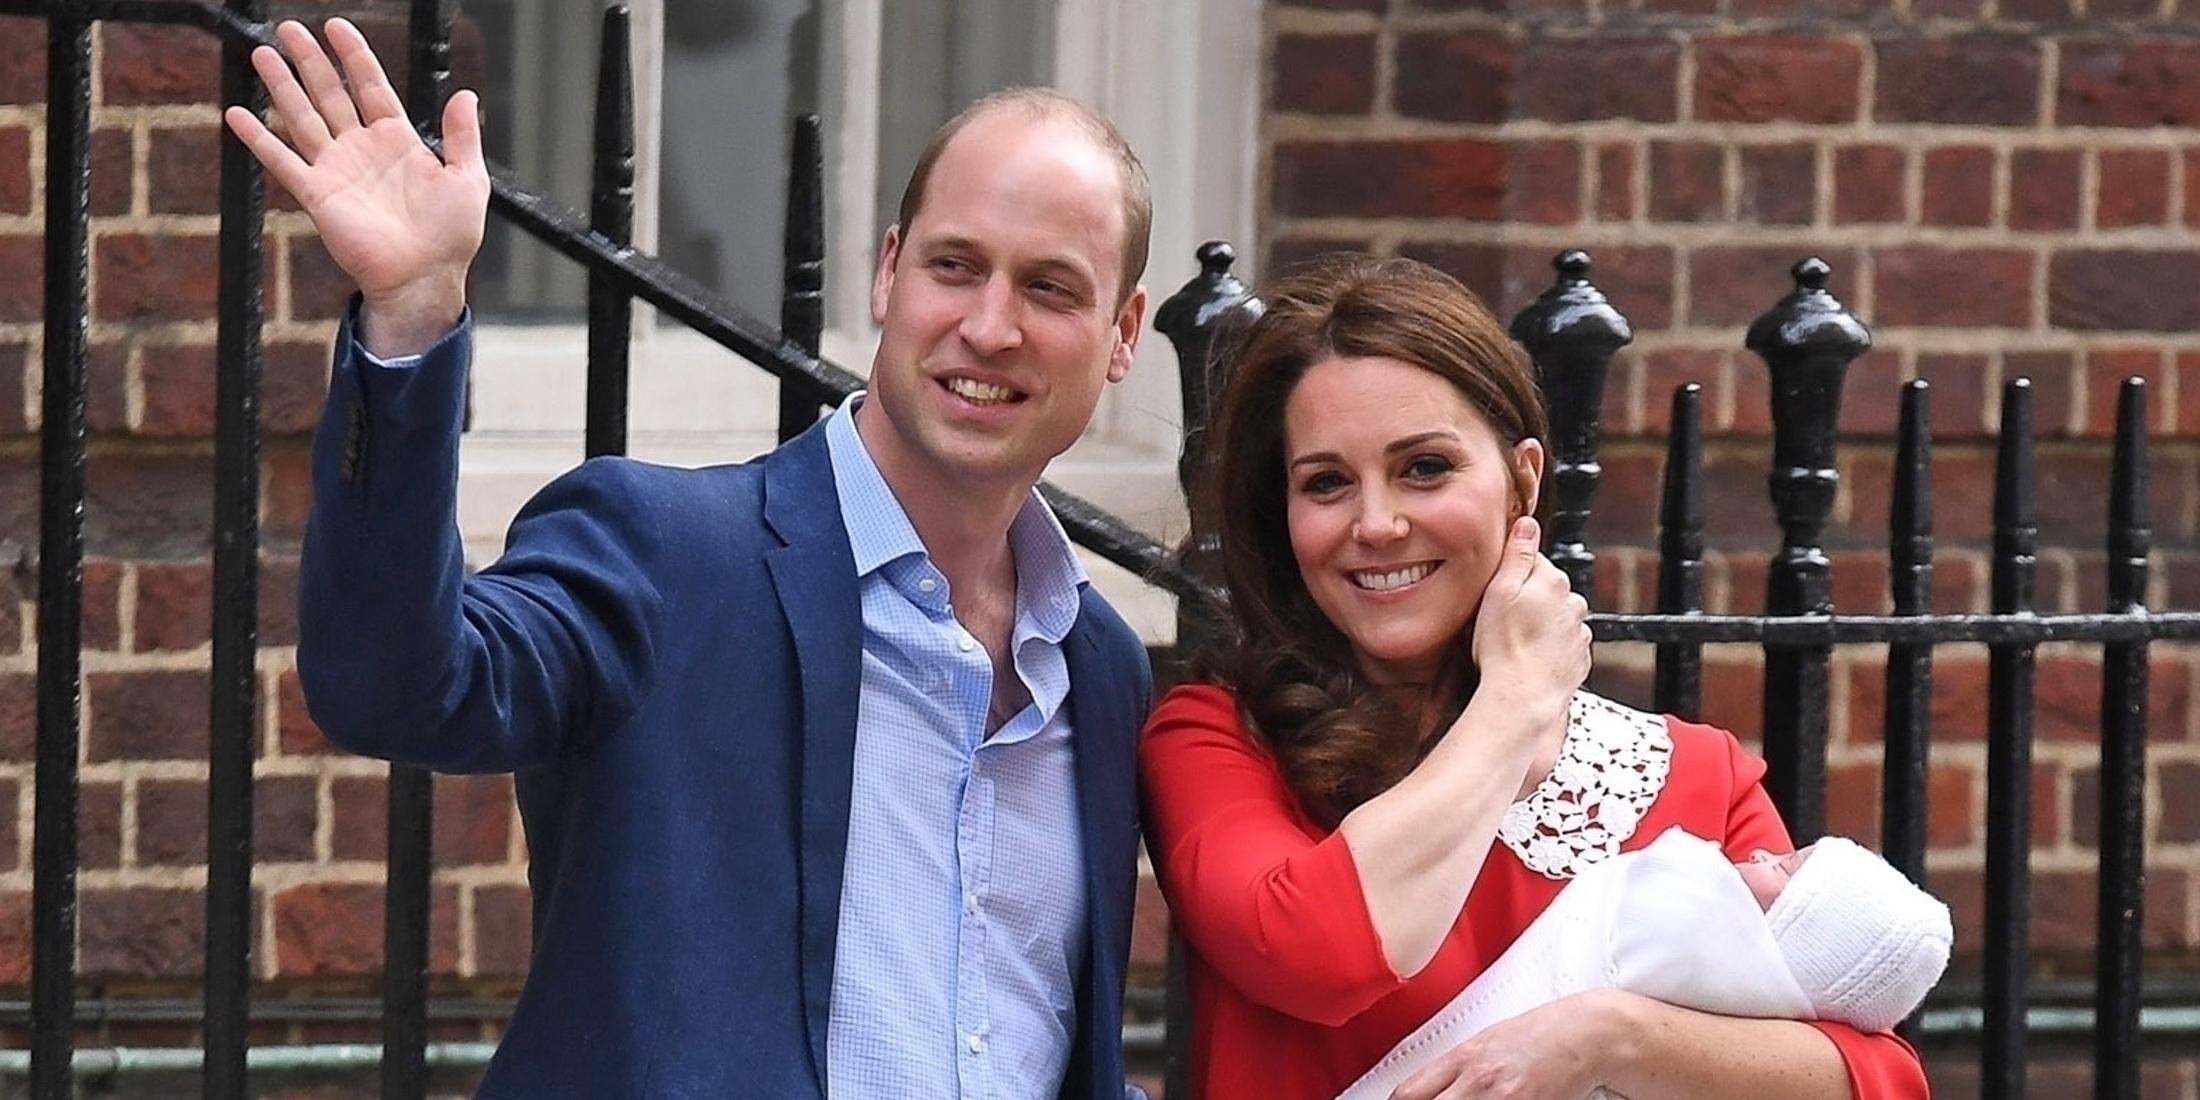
[(966, 643), (977, 1043), (970, 904), (927, 585)]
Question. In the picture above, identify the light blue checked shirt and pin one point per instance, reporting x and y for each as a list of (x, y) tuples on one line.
[(962, 908)]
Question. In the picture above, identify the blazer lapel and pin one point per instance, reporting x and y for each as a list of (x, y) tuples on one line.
[(815, 576), (1104, 730)]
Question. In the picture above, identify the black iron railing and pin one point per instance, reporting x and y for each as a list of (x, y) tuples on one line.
[(1806, 340)]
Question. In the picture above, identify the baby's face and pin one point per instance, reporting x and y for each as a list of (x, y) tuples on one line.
[(1768, 874)]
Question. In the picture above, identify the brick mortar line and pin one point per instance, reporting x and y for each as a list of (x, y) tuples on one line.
[(1638, 23), (2162, 238), (475, 876), (1385, 100), (1684, 81), (1289, 20), (147, 224), (141, 152), (126, 820), (468, 956), (1308, 125)]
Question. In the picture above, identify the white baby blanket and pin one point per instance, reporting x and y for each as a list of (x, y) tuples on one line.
[(1671, 921)]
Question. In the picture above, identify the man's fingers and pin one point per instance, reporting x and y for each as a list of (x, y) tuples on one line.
[(303, 123), (319, 77), (279, 159), (462, 133), (369, 84)]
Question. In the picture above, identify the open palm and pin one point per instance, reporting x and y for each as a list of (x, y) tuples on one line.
[(391, 212)]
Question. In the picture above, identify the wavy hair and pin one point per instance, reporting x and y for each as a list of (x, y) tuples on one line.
[(1300, 690)]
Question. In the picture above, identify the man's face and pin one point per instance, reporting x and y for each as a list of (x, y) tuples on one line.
[(997, 307)]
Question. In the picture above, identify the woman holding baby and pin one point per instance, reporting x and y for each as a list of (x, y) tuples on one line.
[(1389, 771)]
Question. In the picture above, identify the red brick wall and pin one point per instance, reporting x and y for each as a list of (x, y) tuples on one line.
[(319, 831), (2005, 194)]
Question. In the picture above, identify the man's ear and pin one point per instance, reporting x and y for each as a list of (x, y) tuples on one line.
[(882, 279), (1128, 325), (1527, 459)]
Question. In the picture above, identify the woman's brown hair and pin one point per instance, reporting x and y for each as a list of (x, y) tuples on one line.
[(1299, 688)]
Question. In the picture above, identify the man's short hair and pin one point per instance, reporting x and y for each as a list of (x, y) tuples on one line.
[(1047, 103)]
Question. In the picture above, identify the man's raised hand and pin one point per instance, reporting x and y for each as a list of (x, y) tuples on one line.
[(401, 221)]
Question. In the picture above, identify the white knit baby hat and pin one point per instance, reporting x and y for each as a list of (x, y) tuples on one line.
[(1864, 943)]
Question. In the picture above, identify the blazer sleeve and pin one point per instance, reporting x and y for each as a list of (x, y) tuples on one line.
[(1279, 914), (403, 656), (1881, 1065)]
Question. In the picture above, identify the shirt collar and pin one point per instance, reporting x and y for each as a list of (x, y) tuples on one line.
[(878, 529), (1048, 575)]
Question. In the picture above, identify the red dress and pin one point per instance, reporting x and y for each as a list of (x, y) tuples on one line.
[(1291, 994)]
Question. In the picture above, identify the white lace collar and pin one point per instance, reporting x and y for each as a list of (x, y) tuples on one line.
[(1610, 769)]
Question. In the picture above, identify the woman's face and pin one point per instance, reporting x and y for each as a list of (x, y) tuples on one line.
[(1398, 497)]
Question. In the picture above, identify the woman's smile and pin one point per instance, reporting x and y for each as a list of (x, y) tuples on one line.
[(1392, 580)]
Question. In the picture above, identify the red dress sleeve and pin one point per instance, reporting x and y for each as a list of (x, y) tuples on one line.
[(1273, 906), (1881, 1065)]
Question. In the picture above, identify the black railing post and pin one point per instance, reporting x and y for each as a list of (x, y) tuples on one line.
[(1192, 319), (611, 214), (2009, 756), (412, 791), (2123, 763), (60, 557), (802, 289), (1909, 675), (1678, 685), (235, 710), (1905, 725), (1807, 340), (1571, 332)]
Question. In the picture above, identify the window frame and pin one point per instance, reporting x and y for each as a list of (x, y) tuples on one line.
[(1182, 82)]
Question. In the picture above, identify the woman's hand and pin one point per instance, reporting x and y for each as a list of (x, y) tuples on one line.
[(1545, 1053), (1531, 635)]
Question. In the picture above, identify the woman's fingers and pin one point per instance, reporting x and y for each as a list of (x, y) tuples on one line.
[(370, 86), (279, 159), (322, 83), (300, 120)]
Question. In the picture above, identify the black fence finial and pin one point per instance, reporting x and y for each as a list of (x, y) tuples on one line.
[(1191, 318), (1807, 339), (1572, 332)]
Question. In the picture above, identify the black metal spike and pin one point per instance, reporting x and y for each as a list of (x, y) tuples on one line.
[(2009, 756), (1571, 332), (611, 215), (1909, 672), (234, 715), (2124, 683), (1679, 678), (412, 791), (1807, 340), (60, 558), (1205, 307), (802, 296), (1197, 319)]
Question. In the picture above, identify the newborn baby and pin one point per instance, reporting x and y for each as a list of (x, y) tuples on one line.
[(1830, 932)]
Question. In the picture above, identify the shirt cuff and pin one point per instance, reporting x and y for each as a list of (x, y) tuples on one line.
[(403, 362)]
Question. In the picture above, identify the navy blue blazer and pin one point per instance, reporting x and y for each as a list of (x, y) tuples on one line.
[(669, 661)]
